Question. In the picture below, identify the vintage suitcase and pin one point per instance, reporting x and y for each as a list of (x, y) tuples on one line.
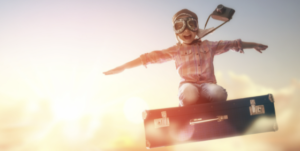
[(169, 126)]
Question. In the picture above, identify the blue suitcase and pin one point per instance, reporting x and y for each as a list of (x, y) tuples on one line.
[(170, 126)]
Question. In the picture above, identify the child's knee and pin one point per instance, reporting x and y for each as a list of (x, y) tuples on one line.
[(188, 94), (216, 92)]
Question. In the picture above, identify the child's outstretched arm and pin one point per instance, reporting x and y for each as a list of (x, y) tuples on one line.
[(128, 65), (258, 47)]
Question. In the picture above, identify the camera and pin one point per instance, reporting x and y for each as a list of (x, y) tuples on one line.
[(222, 13)]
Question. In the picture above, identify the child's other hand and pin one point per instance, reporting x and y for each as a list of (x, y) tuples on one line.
[(252, 45), (260, 47), (114, 71)]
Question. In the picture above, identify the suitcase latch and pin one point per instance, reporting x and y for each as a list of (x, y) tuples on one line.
[(256, 109), (162, 122)]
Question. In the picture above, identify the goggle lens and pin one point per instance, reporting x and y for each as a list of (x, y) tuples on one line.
[(192, 24), (178, 25)]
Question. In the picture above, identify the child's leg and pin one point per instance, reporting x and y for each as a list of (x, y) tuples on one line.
[(190, 94), (213, 92)]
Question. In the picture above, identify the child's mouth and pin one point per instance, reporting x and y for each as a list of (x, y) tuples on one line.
[(187, 37)]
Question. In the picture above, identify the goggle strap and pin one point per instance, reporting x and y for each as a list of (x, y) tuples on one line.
[(183, 14)]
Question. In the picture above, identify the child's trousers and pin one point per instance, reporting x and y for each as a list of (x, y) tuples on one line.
[(190, 93)]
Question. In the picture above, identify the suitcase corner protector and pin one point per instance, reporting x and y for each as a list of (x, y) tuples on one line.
[(145, 114), (275, 127), (271, 98), (148, 144)]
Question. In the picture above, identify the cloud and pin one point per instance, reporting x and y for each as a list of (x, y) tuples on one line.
[(286, 105), (241, 86), (112, 131)]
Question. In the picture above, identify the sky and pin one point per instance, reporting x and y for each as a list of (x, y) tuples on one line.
[(54, 95)]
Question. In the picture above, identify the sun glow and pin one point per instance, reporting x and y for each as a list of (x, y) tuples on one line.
[(133, 109), (68, 108)]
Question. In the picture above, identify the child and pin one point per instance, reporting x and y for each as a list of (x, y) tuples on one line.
[(193, 59)]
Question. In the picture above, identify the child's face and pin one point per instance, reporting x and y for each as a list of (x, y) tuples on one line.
[(187, 36)]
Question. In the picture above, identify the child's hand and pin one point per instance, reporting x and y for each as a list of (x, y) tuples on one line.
[(128, 65), (115, 70), (260, 47)]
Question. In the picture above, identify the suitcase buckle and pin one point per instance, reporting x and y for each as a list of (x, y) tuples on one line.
[(256, 109), (162, 122)]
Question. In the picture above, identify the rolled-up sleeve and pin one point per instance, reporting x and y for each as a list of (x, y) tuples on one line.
[(157, 56), (222, 46)]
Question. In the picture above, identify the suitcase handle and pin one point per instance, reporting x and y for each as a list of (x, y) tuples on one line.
[(199, 120)]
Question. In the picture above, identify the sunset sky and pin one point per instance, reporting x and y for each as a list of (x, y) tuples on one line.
[(54, 95)]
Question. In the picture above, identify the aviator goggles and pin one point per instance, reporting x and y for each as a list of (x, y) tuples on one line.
[(182, 23)]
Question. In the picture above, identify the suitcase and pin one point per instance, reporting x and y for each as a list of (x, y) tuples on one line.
[(170, 126)]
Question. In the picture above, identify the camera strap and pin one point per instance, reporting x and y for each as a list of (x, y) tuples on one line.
[(214, 28)]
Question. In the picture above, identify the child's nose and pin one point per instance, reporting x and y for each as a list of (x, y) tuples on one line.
[(186, 30)]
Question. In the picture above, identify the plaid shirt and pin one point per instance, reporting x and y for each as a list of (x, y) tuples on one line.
[(194, 63)]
